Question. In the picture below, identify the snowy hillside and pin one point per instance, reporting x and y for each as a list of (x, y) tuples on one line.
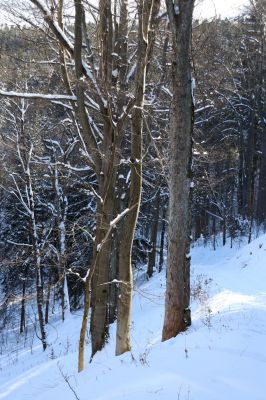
[(222, 356)]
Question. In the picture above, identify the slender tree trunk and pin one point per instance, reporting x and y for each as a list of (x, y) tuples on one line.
[(162, 240), (23, 302), (37, 258), (153, 236), (214, 233), (145, 11), (47, 303), (87, 300), (39, 297), (177, 314), (113, 291)]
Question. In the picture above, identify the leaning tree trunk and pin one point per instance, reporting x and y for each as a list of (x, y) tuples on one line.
[(177, 314)]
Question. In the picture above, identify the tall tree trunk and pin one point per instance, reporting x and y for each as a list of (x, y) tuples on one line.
[(177, 314), (36, 253), (106, 162), (146, 11)]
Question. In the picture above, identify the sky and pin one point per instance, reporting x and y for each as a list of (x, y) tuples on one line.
[(223, 8), (203, 9)]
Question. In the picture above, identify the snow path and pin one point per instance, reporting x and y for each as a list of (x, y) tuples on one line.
[(222, 356)]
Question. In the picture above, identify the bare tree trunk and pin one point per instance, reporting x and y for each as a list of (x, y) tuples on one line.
[(162, 240), (113, 290), (177, 314), (147, 9), (99, 318), (39, 297), (47, 303), (106, 163), (87, 300), (88, 280), (36, 252), (23, 302), (153, 235), (214, 232)]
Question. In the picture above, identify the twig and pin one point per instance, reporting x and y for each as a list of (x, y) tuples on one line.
[(66, 379)]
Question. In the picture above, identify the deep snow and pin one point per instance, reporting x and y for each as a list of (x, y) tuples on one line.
[(221, 357)]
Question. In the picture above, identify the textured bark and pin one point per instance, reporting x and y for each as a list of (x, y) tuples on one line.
[(107, 183), (177, 314), (106, 179), (99, 318), (106, 163)]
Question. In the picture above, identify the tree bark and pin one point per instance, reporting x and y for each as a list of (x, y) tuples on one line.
[(146, 10), (177, 314)]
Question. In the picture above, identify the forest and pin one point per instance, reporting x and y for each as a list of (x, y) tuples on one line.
[(130, 133)]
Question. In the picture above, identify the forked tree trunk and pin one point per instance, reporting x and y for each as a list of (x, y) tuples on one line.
[(177, 314), (99, 249), (105, 166), (97, 281)]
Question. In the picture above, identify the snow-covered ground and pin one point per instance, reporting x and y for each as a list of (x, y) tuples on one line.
[(221, 357)]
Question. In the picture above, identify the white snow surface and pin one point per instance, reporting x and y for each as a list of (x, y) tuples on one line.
[(222, 355)]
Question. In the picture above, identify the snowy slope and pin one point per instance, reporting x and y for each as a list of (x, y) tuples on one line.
[(222, 356)]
